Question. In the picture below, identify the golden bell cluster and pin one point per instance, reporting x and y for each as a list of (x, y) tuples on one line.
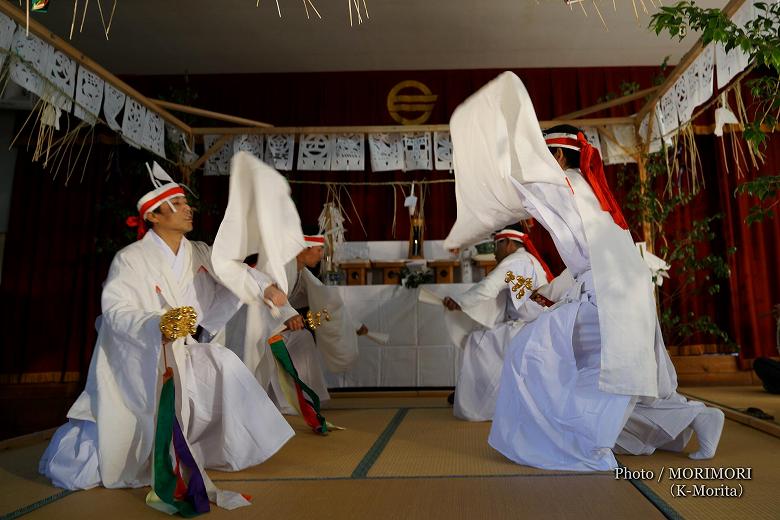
[(179, 322), (314, 319), (521, 284)]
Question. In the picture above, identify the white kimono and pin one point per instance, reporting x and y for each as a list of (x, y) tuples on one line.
[(570, 377), (228, 420), (300, 344), (483, 353)]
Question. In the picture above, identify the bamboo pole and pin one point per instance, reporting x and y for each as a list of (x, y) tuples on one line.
[(390, 129), (58, 43), (176, 107), (609, 104), (208, 153), (684, 63)]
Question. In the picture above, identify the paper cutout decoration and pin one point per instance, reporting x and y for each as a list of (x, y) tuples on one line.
[(729, 64), (349, 153), (621, 150), (7, 28), (153, 134), (279, 151), (669, 117), (113, 103), (592, 136), (442, 151), (417, 151), (684, 95), (252, 143), (133, 122), (219, 162), (703, 69), (30, 66), (314, 152), (386, 152), (61, 72), (89, 95)]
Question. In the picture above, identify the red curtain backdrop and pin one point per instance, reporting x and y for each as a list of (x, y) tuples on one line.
[(54, 264)]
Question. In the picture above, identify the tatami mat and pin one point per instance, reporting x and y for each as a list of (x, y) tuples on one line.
[(740, 447), (405, 459), (308, 455), (20, 483), (738, 397), (387, 402), (434, 443), (379, 499)]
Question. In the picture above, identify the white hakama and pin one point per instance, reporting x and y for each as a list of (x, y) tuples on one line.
[(226, 417)]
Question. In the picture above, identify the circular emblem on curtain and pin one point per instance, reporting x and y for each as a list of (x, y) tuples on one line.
[(410, 102)]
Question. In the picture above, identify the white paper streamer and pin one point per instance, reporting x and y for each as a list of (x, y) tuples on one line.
[(386, 152), (279, 151), (314, 152), (348, 152), (417, 151)]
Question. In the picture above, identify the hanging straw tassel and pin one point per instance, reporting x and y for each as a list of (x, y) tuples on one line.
[(73, 20), (598, 11)]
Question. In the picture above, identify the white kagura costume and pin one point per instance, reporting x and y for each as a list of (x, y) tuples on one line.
[(249, 228), (483, 350), (227, 419), (570, 377)]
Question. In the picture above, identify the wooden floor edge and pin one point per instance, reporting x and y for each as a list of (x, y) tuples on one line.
[(767, 427), (27, 440)]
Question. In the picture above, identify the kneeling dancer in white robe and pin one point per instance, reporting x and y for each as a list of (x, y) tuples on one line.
[(572, 376), (247, 334), (227, 420), (299, 340), (483, 352)]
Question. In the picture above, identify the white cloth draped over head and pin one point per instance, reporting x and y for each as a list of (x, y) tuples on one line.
[(498, 149), (260, 218), (497, 139)]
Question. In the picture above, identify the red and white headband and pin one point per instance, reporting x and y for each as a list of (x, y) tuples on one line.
[(562, 140), (511, 234), (164, 190), (314, 240)]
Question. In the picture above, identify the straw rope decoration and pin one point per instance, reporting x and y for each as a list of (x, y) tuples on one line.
[(106, 26), (357, 5), (54, 152)]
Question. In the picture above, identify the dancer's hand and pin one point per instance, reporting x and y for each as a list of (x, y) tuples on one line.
[(273, 293), (451, 304), (295, 323)]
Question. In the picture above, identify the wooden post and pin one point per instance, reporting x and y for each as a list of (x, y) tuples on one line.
[(644, 149)]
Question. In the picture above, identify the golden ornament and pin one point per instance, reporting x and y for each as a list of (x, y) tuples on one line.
[(179, 323), (314, 319)]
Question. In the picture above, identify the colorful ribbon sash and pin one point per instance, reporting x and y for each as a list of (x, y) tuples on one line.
[(307, 406), (180, 488)]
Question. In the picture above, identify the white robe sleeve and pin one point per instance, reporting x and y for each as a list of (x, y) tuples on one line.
[(486, 289), (130, 337), (121, 312), (558, 287)]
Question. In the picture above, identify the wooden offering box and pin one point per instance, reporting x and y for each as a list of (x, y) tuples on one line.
[(444, 270), (356, 271), (391, 270)]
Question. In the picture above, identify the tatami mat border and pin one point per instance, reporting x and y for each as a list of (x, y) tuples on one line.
[(739, 416), (36, 505), (659, 503), (379, 445)]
